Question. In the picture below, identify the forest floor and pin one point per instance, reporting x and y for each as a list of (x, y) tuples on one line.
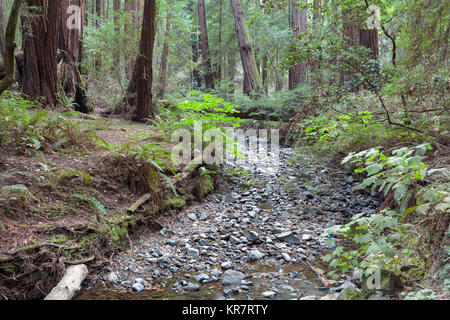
[(69, 206), (66, 206)]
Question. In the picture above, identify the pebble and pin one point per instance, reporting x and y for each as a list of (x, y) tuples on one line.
[(138, 287)]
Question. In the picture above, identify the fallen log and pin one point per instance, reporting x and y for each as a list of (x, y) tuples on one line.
[(142, 200), (69, 284)]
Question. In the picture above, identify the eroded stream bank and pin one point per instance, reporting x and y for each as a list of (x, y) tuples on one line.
[(253, 239)]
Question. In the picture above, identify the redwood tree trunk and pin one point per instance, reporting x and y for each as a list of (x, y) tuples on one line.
[(116, 8), (70, 54), (369, 39), (253, 82), (350, 35), (140, 88), (196, 77), (219, 50), (164, 59), (297, 73), (7, 79), (3, 19), (204, 43), (98, 11), (40, 51)]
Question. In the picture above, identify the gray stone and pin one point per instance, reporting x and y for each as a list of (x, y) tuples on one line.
[(253, 236), (226, 265), (309, 298), (193, 252), (171, 242), (192, 286), (269, 294), (137, 287), (192, 216), (330, 297), (234, 240), (201, 277), (288, 237), (113, 278), (307, 237), (232, 278), (255, 255), (286, 257)]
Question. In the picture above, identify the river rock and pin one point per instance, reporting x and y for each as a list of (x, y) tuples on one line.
[(286, 257), (192, 287), (288, 237), (255, 255), (193, 252), (253, 236), (113, 278), (137, 287), (192, 216), (232, 278), (269, 294), (226, 265)]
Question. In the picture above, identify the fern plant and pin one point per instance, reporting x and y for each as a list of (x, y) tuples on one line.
[(398, 172)]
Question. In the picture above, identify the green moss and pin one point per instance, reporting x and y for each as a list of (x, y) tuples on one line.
[(175, 203)]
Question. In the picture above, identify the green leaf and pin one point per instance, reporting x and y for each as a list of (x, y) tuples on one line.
[(374, 169)]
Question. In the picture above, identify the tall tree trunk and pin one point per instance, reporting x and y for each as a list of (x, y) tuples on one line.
[(297, 73), (254, 82), (70, 54), (369, 39), (3, 19), (278, 77), (204, 43), (265, 74), (130, 8), (164, 58), (196, 76), (231, 71), (219, 50), (98, 11), (116, 8), (139, 93), (350, 36), (10, 44), (40, 51)]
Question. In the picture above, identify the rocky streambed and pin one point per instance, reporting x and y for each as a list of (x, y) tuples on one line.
[(257, 237)]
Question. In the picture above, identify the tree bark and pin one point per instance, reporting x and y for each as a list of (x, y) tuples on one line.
[(164, 58), (3, 19), (219, 50), (196, 77), (265, 74), (40, 51), (98, 11), (204, 43), (253, 82), (369, 39), (70, 54), (140, 88), (350, 36), (116, 8), (10, 44), (297, 73)]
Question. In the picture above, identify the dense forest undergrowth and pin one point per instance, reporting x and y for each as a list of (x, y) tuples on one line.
[(85, 133)]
